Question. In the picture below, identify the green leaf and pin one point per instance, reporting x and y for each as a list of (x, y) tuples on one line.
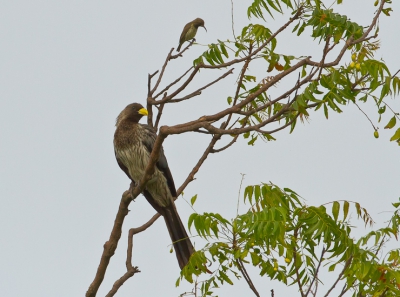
[(391, 123), (225, 277), (326, 111), (253, 139), (193, 200), (303, 71), (396, 135), (191, 219), (223, 49), (345, 210)]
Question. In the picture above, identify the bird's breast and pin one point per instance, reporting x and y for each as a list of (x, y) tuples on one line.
[(191, 33), (135, 158)]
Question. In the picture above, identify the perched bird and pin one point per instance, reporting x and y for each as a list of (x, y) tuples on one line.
[(133, 143), (189, 31)]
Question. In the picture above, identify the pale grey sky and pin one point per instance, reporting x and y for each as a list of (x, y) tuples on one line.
[(67, 68)]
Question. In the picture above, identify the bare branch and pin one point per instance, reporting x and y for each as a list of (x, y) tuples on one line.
[(236, 97), (130, 270), (198, 91), (111, 245), (177, 91), (173, 83), (149, 108), (182, 51), (349, 42), (159, 114), (226, 146), (161, 73), (374, 21), (373, 126), (324, 54)]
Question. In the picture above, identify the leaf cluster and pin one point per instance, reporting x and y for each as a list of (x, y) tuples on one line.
[(288, 241)]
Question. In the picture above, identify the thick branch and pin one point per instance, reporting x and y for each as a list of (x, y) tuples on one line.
[(111, 245), (204, 121)]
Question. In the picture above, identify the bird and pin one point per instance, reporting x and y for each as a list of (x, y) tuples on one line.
[(189, 31), (133, 144)]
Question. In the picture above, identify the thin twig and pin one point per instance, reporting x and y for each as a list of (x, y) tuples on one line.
[(246, 276), (374, 21), (346, 265), (240, 190), (298, 281), (373, 126), (184, 50), (233, 28), (159, 114), (198, 91), (315, 276), (173, 83), (161, 73)]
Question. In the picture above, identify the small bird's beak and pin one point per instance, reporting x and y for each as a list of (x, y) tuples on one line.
[(143, 111), (204, 28)]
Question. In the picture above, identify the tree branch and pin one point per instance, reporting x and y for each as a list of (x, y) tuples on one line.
[(111, 245), (316, 271), (198, 91), (173, 83), (346, 265), (247, 277)]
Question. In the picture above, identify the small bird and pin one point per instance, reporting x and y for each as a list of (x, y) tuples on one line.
[(133, 143), (189, 31)]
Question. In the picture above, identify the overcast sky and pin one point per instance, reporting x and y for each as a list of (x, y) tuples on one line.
[(67, 68)]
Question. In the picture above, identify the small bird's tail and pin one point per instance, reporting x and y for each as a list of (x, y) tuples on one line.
[(182, 244), (179, 47)]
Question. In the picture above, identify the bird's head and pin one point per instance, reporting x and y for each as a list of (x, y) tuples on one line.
[(199, 23), (133, 112)]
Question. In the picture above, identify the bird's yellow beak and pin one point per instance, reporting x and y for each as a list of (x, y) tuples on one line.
[(143, 111)]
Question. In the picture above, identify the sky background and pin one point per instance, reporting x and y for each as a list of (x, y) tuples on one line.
[(67, 68)]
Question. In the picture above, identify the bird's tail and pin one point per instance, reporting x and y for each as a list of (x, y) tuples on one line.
[(182, 244), (179, 47)]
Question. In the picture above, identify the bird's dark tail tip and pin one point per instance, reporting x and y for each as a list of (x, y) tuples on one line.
[(182, 245)]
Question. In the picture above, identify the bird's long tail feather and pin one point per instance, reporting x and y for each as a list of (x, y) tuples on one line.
[(182, 244)]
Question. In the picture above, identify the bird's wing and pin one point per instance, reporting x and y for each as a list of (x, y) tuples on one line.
[(182, 39), (162, 163)]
